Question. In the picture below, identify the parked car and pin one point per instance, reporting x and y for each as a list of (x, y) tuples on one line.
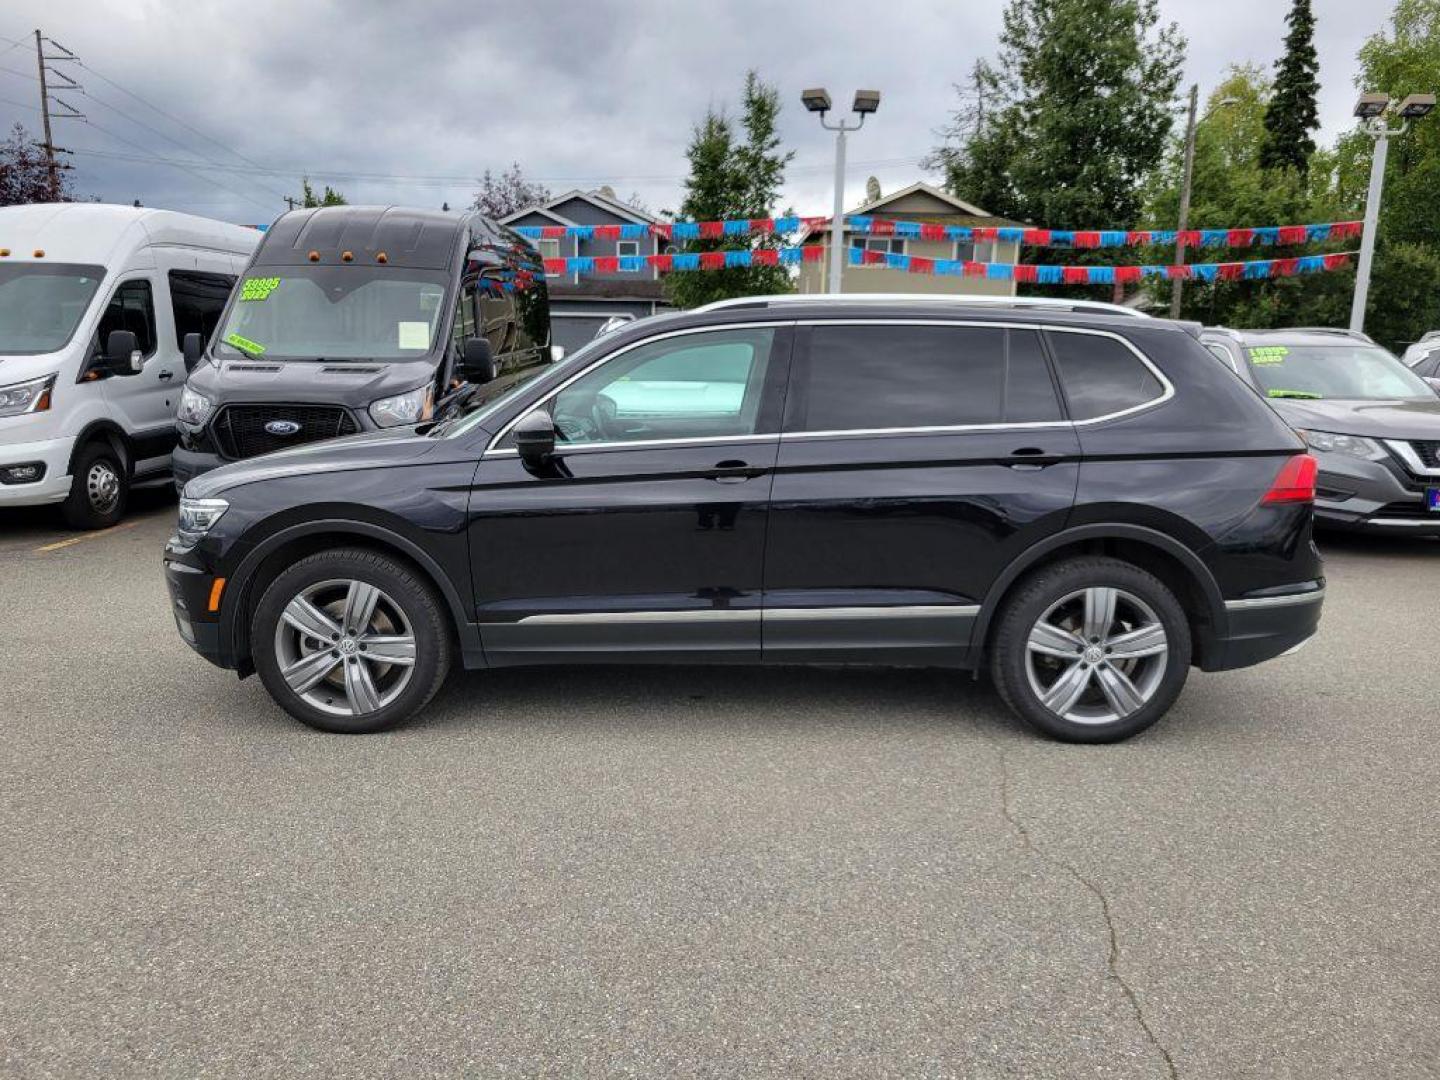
[(354, 318), (1372, 423), (1081, 503), (574, 329), (1423, 357), (94, 303)]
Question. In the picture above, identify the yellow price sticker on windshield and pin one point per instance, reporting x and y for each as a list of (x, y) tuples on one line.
[(258, 288), (244, 344), (1269, 354)]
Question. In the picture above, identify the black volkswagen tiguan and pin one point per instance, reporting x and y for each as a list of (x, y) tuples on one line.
[(1082, 504)]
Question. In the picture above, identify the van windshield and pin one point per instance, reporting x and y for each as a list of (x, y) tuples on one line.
[(1350, 372), (334, 313), (41, 304)]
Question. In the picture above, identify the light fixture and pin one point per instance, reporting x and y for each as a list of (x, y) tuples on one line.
[(1371, 105), (816, 99), (1414, 106), (867, 101)]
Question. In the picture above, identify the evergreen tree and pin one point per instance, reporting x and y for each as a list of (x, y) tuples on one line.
[(1292, 114), (1064, 127), (732, 179), (309, 199)]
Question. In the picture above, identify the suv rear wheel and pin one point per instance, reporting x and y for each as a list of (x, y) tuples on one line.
[(1091, 650), (351, 641)]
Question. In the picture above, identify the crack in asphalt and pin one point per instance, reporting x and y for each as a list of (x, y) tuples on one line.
[(1113, 960)]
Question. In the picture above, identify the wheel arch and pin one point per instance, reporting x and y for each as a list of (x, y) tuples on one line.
[(1181, 570), (271, 556), (108, 432)]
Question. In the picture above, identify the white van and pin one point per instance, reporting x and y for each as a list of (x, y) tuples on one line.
[(95, 301)]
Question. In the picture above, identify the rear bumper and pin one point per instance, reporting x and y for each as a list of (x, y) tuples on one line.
[(1261, 628), (54, 454)]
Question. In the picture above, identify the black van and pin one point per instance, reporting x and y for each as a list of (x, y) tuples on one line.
[(353, 318)]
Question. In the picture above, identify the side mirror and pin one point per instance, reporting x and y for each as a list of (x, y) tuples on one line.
[(193, 348), (478, 364), (1434, 382), (535, 439), (557, 353), (122, 354)]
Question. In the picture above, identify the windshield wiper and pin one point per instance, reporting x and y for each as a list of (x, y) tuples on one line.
[(1305, 395)]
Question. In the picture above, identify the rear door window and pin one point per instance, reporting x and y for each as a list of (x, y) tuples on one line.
[(1101, 376), (902, 376)]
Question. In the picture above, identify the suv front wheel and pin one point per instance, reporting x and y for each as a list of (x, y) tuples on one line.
[(351, 641), (1091, 650)]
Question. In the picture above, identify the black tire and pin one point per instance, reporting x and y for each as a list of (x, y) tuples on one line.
[(1012, 662), (407, 601), (99, 490)]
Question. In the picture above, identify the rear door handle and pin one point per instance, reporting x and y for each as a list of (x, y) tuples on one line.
[(1031, 459), (166, 376), (733, 472)]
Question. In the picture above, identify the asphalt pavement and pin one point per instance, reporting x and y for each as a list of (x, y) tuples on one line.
[(707, 872)]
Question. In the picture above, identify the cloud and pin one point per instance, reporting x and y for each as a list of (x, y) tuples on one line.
[(408, 103)]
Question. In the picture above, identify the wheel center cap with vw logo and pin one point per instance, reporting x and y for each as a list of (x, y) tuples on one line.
[(282, 427), (348, 646)]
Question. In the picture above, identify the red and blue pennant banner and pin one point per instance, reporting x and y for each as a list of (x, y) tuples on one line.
[(874, 226), (1034, 273)]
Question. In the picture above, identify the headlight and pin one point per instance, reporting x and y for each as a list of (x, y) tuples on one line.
[(198, 517), (408, 408), (1356, 446), (26, 397), (194, 408)]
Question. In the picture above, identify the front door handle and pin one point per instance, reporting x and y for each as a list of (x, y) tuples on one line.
[(166, 376), (733, 472)]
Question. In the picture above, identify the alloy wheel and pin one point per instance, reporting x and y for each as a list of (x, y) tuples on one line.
[(345, 647), (1097, 655)]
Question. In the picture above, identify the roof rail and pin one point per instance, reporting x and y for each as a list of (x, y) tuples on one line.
[(1338, 331), (1033, 302)]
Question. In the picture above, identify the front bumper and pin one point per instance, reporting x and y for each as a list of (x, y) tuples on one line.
[(1263, 627), (185, 465), (191, 591), (1373, 496), (54, 454)]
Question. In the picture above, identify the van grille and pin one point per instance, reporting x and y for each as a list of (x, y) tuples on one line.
[(239, 430)]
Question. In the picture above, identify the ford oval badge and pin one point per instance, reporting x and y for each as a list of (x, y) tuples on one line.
[(282, 427)]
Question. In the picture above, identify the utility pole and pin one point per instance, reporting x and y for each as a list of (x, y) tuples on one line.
[(42, 64), (1177, 286), (45, 113), (290, 201)]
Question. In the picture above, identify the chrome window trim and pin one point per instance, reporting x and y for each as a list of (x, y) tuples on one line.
[(1314, 596), (490, 447), (755, 614), (1406, 453), (1166, 394)]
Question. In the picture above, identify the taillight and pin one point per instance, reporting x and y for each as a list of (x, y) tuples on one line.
[(1295, 482)]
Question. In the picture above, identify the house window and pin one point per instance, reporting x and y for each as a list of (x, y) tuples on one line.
[(627, 249), (889, 245), (550, 249), (966, 251)]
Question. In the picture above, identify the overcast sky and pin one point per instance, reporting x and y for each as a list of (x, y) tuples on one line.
[(426, 94)]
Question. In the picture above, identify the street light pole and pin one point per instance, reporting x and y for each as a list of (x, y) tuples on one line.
[(1380, 132), (1372, 109), (1186, 179), (818, 101)]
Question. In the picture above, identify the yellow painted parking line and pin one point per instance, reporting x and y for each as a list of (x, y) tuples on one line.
[(87, 536)]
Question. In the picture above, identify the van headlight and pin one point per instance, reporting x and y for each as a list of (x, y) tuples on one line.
[(26, 397), (198, 517), (194, 407), (410, 407), (1356, 446)]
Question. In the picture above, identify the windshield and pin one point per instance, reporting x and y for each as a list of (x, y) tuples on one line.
[(334, 313), (40, 305), (1351, 372)]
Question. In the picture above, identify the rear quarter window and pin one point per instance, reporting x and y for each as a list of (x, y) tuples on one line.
[(1101, 375)]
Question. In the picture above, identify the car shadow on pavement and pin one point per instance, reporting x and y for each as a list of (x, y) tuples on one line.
[(23, 524), (1384, 545)]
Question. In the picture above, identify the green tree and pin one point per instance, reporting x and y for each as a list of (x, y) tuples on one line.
[(1292, 114), (733, 178), (309, 200), (1065, 127)]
